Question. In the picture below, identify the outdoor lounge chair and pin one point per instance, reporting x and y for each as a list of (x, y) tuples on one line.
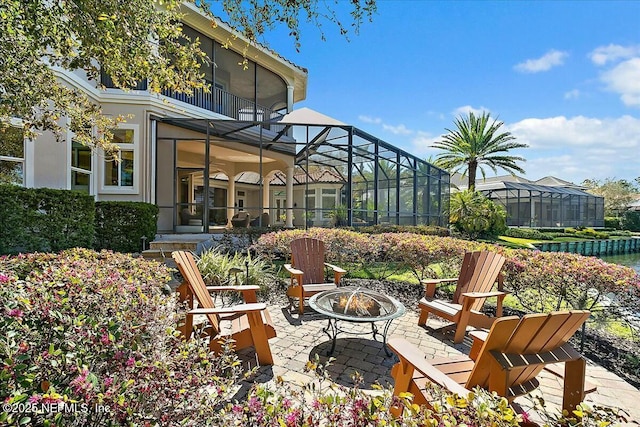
[(260, 221), (307, 271), (241, 220), (479, 272), (247, 324), (513, 354)]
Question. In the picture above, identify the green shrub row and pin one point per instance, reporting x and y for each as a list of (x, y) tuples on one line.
[(427, 230), (49, 220), (120, 226), (527, 233), (43, 219), (587, 233)]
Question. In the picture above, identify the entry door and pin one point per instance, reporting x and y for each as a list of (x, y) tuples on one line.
[(280, 202)]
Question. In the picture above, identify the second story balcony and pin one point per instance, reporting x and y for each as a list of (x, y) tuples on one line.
[(220, 101)]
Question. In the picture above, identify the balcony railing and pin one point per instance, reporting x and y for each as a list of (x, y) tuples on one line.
[(219, 101), (225, 103)]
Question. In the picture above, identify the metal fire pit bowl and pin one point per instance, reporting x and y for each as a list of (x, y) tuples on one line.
[(358, 305)]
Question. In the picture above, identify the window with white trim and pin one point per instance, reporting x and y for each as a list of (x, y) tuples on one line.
[(11, 155), (81, 168), (119, 174)]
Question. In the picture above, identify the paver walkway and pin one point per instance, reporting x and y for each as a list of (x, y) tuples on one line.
[(301, 337)]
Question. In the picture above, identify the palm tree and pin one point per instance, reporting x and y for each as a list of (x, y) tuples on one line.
[(475, 143)]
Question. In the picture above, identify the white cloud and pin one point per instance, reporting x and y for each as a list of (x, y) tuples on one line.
[(422, 143), (549, 60), (368, 119), (397, 130), (572, 94), (603, 54), (624, 79), (466, 109), (580, 147)]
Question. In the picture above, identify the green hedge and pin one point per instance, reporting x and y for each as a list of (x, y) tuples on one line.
[(527, 233), (120, 226), (425, 230), (44, 220), (631, 220)]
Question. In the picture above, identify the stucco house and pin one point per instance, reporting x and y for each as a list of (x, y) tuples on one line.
[(242, 147)]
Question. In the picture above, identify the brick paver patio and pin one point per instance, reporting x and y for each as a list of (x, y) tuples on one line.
[(301, 337)]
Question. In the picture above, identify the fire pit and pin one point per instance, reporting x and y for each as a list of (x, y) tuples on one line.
[(358, 305)]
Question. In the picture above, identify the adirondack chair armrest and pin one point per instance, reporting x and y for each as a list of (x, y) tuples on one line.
[(239, 288), (335, 268), (293, 271), (337, 272), (430, 285), (241, 308), (491, 294), (410, 354)]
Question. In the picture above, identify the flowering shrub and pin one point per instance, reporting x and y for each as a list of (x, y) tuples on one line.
[(415, 251), (544, 281), (93, 331), (323, 403), (541, 281)]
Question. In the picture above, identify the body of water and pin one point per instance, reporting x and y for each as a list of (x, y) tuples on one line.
[(630, 260)]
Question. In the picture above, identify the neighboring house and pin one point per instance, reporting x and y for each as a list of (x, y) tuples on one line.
[(546, 203), (635, 205), (241, 147)]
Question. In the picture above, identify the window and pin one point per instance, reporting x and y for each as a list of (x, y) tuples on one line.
[(328, 202), (11, 155), (81, 174), (120, 174)]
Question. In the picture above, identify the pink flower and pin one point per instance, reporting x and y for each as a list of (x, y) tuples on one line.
[(108, 381), (105, 339), (131, 361), (35, 398), (237, 409), (4, 278), (291, 419), (16, 312), (254, 404)]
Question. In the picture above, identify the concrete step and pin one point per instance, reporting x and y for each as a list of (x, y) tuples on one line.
[(173, 245), (157, 254)]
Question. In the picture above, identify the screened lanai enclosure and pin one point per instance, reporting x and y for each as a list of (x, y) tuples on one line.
[(289, 172), (540, 206)]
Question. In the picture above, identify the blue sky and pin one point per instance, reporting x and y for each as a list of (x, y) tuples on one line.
[(564, 77)]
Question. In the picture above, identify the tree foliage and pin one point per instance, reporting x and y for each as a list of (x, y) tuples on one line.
[(618, 194), (477, 142), (131, 40), (474, 215)]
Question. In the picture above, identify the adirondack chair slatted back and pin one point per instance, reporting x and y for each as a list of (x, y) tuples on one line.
[(533, 334), (479, 272), (189, 270), (308, 255)]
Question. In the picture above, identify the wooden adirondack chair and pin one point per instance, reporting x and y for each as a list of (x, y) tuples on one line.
[(247, 324), (479, 272), (514, 352), (307, 271)]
